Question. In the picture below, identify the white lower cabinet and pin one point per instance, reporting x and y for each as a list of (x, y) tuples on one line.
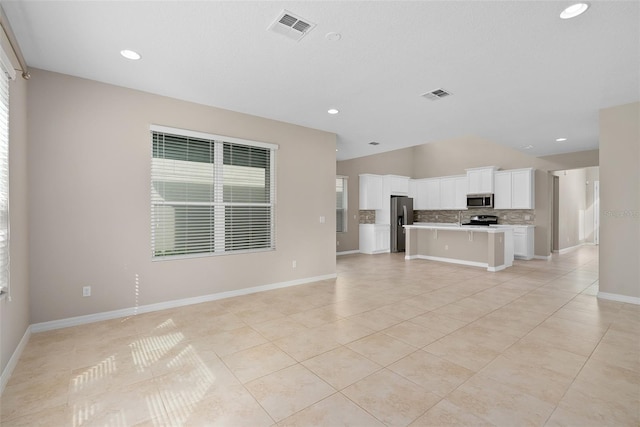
[(374, 238), (523, 242)]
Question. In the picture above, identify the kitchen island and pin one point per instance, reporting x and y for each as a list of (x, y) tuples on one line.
[(477, 246)]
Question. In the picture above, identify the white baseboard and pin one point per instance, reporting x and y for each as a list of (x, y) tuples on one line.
[(132, 311), (619, 298), (457, 261), (13, 361), (450, 260), (542, 257), (569, 249), (347, 253)]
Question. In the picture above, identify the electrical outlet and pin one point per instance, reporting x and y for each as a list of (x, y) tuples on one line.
[(86, 291), (294, 264), (446, 247), (527, 217), (337, 242), (322, 220)]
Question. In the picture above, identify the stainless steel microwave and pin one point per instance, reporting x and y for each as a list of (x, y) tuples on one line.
[(479, 200)]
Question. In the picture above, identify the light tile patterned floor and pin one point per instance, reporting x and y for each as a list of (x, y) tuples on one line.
[(389, 343)]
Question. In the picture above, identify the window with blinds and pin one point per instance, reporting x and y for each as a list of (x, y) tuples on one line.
[(210, 195), (341, 204), (6, 72)]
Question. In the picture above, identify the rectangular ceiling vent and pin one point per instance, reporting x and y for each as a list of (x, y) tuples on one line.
[(291, 26), (436, 94)]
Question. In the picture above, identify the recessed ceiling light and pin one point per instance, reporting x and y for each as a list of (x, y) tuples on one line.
[(574, 10), (333, 111), (561, 139), (130, 54)]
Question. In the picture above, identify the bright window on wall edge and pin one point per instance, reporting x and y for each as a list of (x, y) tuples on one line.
[(341, 204), (7, 73), (210, 194)]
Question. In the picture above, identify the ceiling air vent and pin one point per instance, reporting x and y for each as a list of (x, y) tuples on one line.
[(291, 26), (436, 94)]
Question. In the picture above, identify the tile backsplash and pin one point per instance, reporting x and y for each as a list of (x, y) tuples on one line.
[(505, 216), (367, 217)]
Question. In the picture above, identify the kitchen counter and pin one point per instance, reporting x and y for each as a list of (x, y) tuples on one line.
[(455, 227), (478, 246)]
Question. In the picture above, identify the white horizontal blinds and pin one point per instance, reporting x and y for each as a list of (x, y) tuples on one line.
[(210, 196), (247, 193), (182, 195), (4, 180)]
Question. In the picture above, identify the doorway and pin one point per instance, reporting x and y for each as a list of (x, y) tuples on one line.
[(555, 215), (596, 212)]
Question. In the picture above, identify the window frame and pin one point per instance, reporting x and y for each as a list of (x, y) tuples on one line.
[(8, 74), (219, 205), (345, 202)]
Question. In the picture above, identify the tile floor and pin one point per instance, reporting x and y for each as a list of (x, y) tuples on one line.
[(389, 343)]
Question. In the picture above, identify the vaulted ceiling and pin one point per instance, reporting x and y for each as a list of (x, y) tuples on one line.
[(518, 74)]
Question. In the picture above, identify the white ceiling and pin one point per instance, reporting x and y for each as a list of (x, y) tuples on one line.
[(519, 75)]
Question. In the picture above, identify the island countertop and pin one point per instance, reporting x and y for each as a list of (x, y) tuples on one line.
[(454, 227)]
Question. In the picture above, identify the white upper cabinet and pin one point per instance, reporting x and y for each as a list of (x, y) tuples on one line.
[(398, 185), (515, 189), (370, 192), (480, 180), (523, 194), (502, 195), (461, 192), (425, 193), (453, 192), (432, 193), (449, 192)]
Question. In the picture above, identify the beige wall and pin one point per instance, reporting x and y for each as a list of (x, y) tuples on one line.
[(452, 157), (572, 197), (620, 200), (14, 314), (89, 172)]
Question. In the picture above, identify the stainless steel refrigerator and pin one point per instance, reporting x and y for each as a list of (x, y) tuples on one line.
[(401, 214)]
